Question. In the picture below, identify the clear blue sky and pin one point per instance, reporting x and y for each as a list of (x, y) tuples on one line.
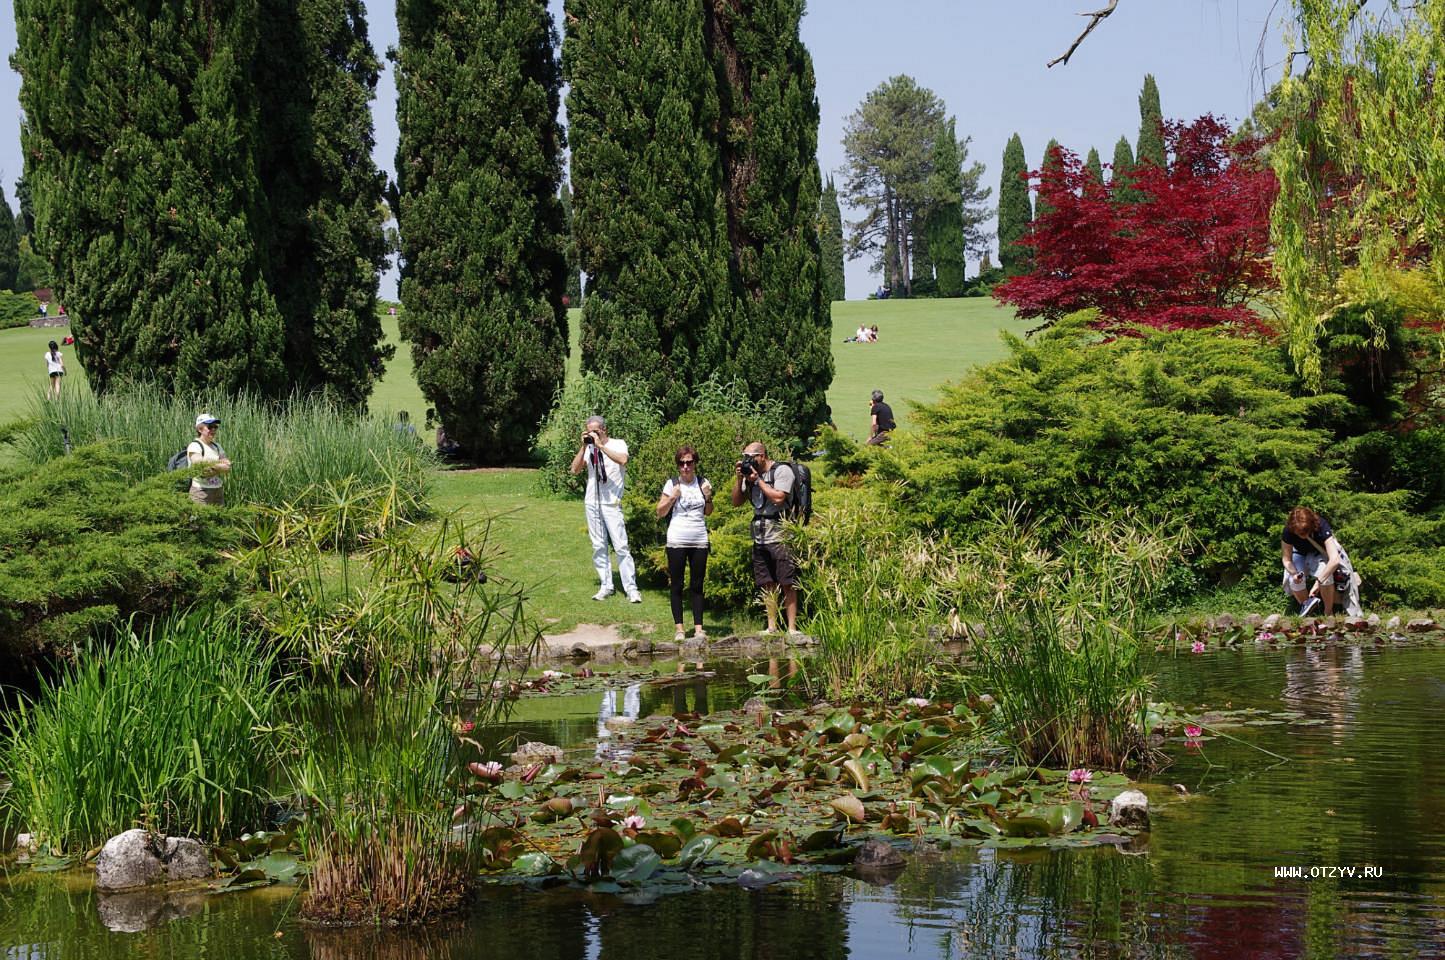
[(985, 58)]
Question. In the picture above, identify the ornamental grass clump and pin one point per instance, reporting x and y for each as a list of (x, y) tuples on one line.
[(172, 729), (279, 450), (1063, 635)]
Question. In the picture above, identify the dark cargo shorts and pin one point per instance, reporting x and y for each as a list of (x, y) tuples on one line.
[(773, 564)]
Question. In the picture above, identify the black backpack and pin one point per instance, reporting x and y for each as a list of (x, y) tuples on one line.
[(180, 459), (798, 505)]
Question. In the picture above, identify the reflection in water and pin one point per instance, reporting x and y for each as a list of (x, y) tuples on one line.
[(610, 746), (1363, 788)]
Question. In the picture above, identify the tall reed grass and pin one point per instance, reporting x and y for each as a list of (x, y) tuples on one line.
[(278, 449), (1064, 634), (173, 730)]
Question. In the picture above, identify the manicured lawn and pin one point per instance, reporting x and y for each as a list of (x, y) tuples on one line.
[(22, 367)]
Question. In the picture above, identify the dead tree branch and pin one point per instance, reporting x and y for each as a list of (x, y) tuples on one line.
[(1095, 18)]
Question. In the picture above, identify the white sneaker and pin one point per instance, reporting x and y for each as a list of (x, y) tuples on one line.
[(634, 597), (602, 594)]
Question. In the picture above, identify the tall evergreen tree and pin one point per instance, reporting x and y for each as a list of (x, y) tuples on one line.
[(9, 245), (1151, 125), (1015, 211), (920, 273), (1122, 171), (769, 135), (643, 112), (1052, 166), (483, 265), (945, 220), (1095, 166), (573, 290), (830, 242), (25, 215), (316, 74), (141, 133)]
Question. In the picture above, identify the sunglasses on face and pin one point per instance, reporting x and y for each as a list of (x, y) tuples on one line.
[(686, 463)]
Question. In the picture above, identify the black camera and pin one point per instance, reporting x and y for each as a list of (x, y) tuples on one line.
[(749, 465), (589, 440)]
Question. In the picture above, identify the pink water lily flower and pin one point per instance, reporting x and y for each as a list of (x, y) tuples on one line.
[(463, 727), (1265, 636), (1191, 731), (1080, 775), (553, 674), (1197, 646), (491, 770), (634, 822)]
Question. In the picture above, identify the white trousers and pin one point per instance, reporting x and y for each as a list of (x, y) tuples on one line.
[(604, 522)]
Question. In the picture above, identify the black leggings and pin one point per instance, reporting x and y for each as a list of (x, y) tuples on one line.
[(677, 559)]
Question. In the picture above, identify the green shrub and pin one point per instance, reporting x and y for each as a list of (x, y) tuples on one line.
[(278, 450), (172, 730), (719, 438), (626, 404), (1185, 424), (82, 543), (17, 309)]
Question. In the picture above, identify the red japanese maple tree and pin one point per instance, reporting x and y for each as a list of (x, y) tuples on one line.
[(1185, 247)]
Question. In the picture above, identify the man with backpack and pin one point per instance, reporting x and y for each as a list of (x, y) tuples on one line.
[(773, 490)]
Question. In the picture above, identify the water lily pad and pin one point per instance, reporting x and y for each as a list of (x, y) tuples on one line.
[(696, 850), (635, 864), (513, 789), (535, 865), (667, 845), (849, 807)]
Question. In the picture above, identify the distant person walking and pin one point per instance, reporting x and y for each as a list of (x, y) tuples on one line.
[(686, 501), (882, 422), (55, 366), (205, 451), (605, 460)]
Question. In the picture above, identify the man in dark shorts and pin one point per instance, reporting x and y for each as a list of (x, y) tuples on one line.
[(882, 422), (766, 485)]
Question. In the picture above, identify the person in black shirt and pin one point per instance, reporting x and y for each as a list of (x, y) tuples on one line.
[(1308, 548), (882, 423)]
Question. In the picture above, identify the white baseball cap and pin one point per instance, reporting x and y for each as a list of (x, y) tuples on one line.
[(206, 418)]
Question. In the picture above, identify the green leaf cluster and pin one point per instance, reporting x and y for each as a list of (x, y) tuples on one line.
[(1151, 125), (83, 544), (1015, 210), (483, 238)]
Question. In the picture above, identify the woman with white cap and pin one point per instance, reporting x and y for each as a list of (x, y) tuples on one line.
[(205, 451)]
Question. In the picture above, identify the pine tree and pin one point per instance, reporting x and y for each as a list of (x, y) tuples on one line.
[(945, 220), (1122, 172), (1095, 166), (1014, 209), (830, 242), (769, 136), (9, 245), (147, 199), (483, 262), (316, 74), (642, 108), (1051, 167), (573, 290), (1151, 125)]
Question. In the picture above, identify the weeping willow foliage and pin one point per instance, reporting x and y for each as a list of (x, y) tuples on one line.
[(1360, 164)]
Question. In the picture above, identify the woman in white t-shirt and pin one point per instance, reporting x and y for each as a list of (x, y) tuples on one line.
[(686, 500), (55, 366), (205, 451)]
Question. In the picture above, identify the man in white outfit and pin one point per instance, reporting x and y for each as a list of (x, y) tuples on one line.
[(605, 460)]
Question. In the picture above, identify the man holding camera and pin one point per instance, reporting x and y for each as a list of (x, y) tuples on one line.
[(766, 484), (605, 460)]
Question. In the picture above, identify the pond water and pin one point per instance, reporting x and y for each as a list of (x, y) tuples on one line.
[(1359, 785)]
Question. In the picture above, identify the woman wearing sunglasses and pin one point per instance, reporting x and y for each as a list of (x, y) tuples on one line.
[(686, 501)]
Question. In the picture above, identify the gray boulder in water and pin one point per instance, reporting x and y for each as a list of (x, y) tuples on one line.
[(1129, 809), (138, 858)]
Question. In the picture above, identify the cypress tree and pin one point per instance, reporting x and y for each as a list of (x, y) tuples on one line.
[(316, 74), (946, 238), (1050, 169), (141, 134), (642, 109), (769, 138), (9, 245), (1151, 125), (1014, 209), (1095, 167), (1122, 171), (830, 242), (920, 272), (483, 263), (573, 290)]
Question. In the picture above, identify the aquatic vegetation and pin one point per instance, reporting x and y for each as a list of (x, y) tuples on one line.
[(709, 798), (1063, 633), (864, 656), (172, 729)]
